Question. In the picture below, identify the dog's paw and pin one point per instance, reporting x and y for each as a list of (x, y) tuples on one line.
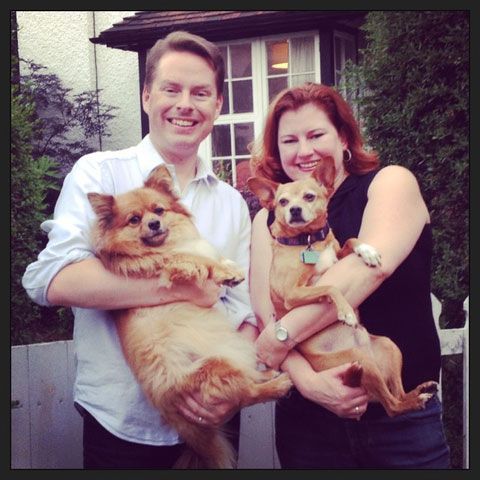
[(189, 272), (348, 317), (368, 254)]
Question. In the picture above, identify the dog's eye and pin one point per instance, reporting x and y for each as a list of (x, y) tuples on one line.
[(158, 210), (309, 197), (134, 220), (283, 202)]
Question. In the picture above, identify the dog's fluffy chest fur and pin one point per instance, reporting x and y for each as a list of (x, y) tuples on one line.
[(287, 266)]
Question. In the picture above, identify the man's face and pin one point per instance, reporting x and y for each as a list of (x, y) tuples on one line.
[(182, 103)]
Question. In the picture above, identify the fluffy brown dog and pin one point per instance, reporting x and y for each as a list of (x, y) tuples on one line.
[(178, 347), (303, 248)]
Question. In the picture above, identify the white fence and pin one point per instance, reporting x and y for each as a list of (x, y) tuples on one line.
[(47, 430)]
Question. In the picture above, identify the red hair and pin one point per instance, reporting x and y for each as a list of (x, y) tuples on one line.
[(265, 161)]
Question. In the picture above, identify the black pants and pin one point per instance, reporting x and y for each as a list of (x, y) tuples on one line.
[(103, 450)]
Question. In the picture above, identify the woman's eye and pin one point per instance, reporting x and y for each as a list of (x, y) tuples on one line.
[(283, 202), (309, 197), (134, 220), (158, 210)]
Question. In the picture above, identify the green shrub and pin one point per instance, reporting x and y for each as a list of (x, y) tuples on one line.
[(31, 179), (49, 131), (414, 75), (413, 81)]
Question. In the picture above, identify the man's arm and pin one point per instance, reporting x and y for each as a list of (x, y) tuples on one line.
[(88, 284)]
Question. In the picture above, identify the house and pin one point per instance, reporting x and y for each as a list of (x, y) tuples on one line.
[(264, 52)]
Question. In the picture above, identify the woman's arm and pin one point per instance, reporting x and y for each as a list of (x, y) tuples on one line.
[(392, 222), (260, 261), (88, 284)]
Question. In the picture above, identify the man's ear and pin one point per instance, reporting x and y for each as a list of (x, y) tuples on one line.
[(324, 173), (103, 207), (264, 189), (145, 99), (218, 105)]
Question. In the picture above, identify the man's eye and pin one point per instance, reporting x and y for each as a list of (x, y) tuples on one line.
[(134, 220), (158, 210), (283, 202), (309, 197)]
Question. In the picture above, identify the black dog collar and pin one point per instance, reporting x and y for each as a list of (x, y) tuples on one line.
[(305, 238)]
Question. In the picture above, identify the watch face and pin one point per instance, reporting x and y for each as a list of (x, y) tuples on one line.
[(281, 333)]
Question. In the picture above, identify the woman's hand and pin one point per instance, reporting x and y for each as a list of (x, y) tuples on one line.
[(327, 389), (212, 413)]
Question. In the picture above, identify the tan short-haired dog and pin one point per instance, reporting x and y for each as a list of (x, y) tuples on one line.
[(178, 347), (303, 248)]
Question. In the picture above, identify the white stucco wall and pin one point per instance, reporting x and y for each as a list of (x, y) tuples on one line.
[(59, 40)]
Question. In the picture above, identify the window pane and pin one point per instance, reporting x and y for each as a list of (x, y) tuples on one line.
[(243, 173), (300, 79), (225, 106), (338, 53), (242, 96), (277, 57), (350, 51), (302, 55), (223, 51), (241, 60), (275, 85), (223, 170), (221, 144), (243, 136)]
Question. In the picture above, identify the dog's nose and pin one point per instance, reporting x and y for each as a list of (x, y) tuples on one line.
[(154, 225), (295, 212)]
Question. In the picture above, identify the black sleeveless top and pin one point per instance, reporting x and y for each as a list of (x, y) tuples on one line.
[(401, 307)]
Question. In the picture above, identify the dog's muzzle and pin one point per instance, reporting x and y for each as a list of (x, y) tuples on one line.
[(296, 215)]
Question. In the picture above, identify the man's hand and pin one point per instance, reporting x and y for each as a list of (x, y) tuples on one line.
[(213, 413)]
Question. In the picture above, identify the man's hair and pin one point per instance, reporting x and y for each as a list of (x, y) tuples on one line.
[(181, 41)]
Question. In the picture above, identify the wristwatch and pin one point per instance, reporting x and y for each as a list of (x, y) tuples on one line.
[(281, 334)]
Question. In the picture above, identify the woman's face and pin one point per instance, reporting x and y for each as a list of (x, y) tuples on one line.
[(304, 137)]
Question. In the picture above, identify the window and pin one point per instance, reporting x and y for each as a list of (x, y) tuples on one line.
[(255, 71), (344, 49)]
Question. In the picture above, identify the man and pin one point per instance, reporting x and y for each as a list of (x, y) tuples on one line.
[(182, 97)]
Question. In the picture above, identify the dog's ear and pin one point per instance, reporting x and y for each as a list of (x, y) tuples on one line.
[(160, 179), (264, 189), (324, 173), (103, 207)]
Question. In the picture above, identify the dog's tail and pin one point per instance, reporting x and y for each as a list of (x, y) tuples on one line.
[(218, 453)]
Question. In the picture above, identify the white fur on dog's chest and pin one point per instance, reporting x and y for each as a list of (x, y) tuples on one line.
[(327, 257)]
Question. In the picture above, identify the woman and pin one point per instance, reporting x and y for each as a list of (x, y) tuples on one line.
[(323, 423)]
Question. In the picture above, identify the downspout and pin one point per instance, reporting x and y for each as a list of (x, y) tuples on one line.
[(96, 77)]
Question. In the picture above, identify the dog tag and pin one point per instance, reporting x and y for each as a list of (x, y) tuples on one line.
[(309, 256)]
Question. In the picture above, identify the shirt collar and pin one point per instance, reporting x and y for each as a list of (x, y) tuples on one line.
[(149, 158)]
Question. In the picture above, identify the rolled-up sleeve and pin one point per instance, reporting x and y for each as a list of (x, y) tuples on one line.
[(68, 230), (236, 300)]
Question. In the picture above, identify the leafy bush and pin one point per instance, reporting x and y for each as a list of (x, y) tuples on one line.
[(414, 75), (65, 122), (414, 84), (49, 131)]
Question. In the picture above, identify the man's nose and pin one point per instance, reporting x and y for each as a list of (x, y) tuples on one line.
[(185, 101)]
